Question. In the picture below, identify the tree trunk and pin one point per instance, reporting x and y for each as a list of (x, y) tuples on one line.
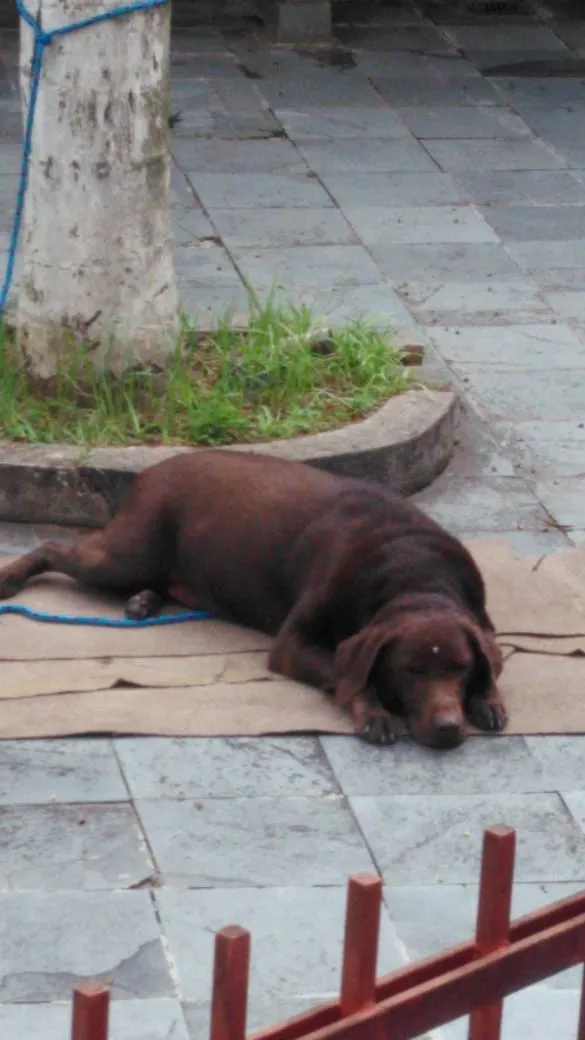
[(97, 256)]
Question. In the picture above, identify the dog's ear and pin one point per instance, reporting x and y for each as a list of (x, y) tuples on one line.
[(488, 662), (355, 658)]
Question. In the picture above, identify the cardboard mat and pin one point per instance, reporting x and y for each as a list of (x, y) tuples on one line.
[(206, 678)]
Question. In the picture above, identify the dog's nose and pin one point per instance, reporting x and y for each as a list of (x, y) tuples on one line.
[(448, 730)]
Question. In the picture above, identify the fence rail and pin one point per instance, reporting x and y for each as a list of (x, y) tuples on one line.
[(470, 979)]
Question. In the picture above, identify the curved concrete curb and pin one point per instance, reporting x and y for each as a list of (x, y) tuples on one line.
[(407, 442)]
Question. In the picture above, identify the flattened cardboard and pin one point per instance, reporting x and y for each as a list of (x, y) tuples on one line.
[(208, 678)]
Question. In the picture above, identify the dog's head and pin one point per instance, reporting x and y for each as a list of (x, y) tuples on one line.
[(423, 665)]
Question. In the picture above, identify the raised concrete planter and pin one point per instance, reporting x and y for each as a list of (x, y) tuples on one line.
[(407, 442)]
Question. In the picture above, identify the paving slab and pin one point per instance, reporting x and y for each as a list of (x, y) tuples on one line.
[(498, 504), (527, 394), (454, 91), (338, 123), (564, 498), (528, 1013), (272, 156), (51, 941), (438, 840), (325, 266), (570, 305), (545, 187), (284, 965), (505, 37), (346, 156), (58, 847), (129, 1020), (414, 225), (448, 123), (479, 303), (330, 88), (254, 190), (271, 839), (282, 227), (529, 224), (435, 265), (225, 768), (429, 918), (512, 346), (59, 771), (391, 189), (474, 154), (550, 449)]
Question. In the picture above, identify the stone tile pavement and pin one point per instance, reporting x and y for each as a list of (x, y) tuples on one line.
[(430, 171)]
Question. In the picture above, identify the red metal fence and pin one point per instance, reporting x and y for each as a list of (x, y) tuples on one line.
[(470, 979)]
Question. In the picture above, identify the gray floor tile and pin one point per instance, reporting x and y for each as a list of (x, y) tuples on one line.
[(569, 305), (537, 223), (325, 266), (129, 1020), (403, 92), (456, 156), (429, 919), (273, 156), (190, 226), (208, 267), (326, 157), (435, 265), (548, 449), (529, 543), (482, 764), (565, 500), (546, 187), (37, 772), (513, 346), (376, 304), (158, 767), (391, 189), (56, 847), (264, 1010), (451, 122), (575, 802), (505, 37), (527, 394), (317, 91), (536, 256), (415, 225), (420, 840), (314, 840), (532, 1014), (282, 227), (333, 123), (206, 306), (498, 504), (284, 965), (51, 942), (560, 760), (255, 190), (480, 303)]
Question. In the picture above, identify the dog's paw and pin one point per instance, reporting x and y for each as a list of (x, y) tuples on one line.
[(489, 715), (377, 727), (143, 605)]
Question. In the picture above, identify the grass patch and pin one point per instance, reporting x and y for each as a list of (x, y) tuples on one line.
[(287, 374)]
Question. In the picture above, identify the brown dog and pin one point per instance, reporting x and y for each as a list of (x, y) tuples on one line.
[(368, 598)]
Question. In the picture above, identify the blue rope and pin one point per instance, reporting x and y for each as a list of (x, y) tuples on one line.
[(44, 39), (101, 622)]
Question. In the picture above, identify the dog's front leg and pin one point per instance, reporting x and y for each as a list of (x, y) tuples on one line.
[(293, 656)]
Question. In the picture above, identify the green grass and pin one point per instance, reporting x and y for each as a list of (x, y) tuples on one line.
[(287, 374)]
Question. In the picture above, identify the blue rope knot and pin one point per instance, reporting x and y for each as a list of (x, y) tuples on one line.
[(42, 40)]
